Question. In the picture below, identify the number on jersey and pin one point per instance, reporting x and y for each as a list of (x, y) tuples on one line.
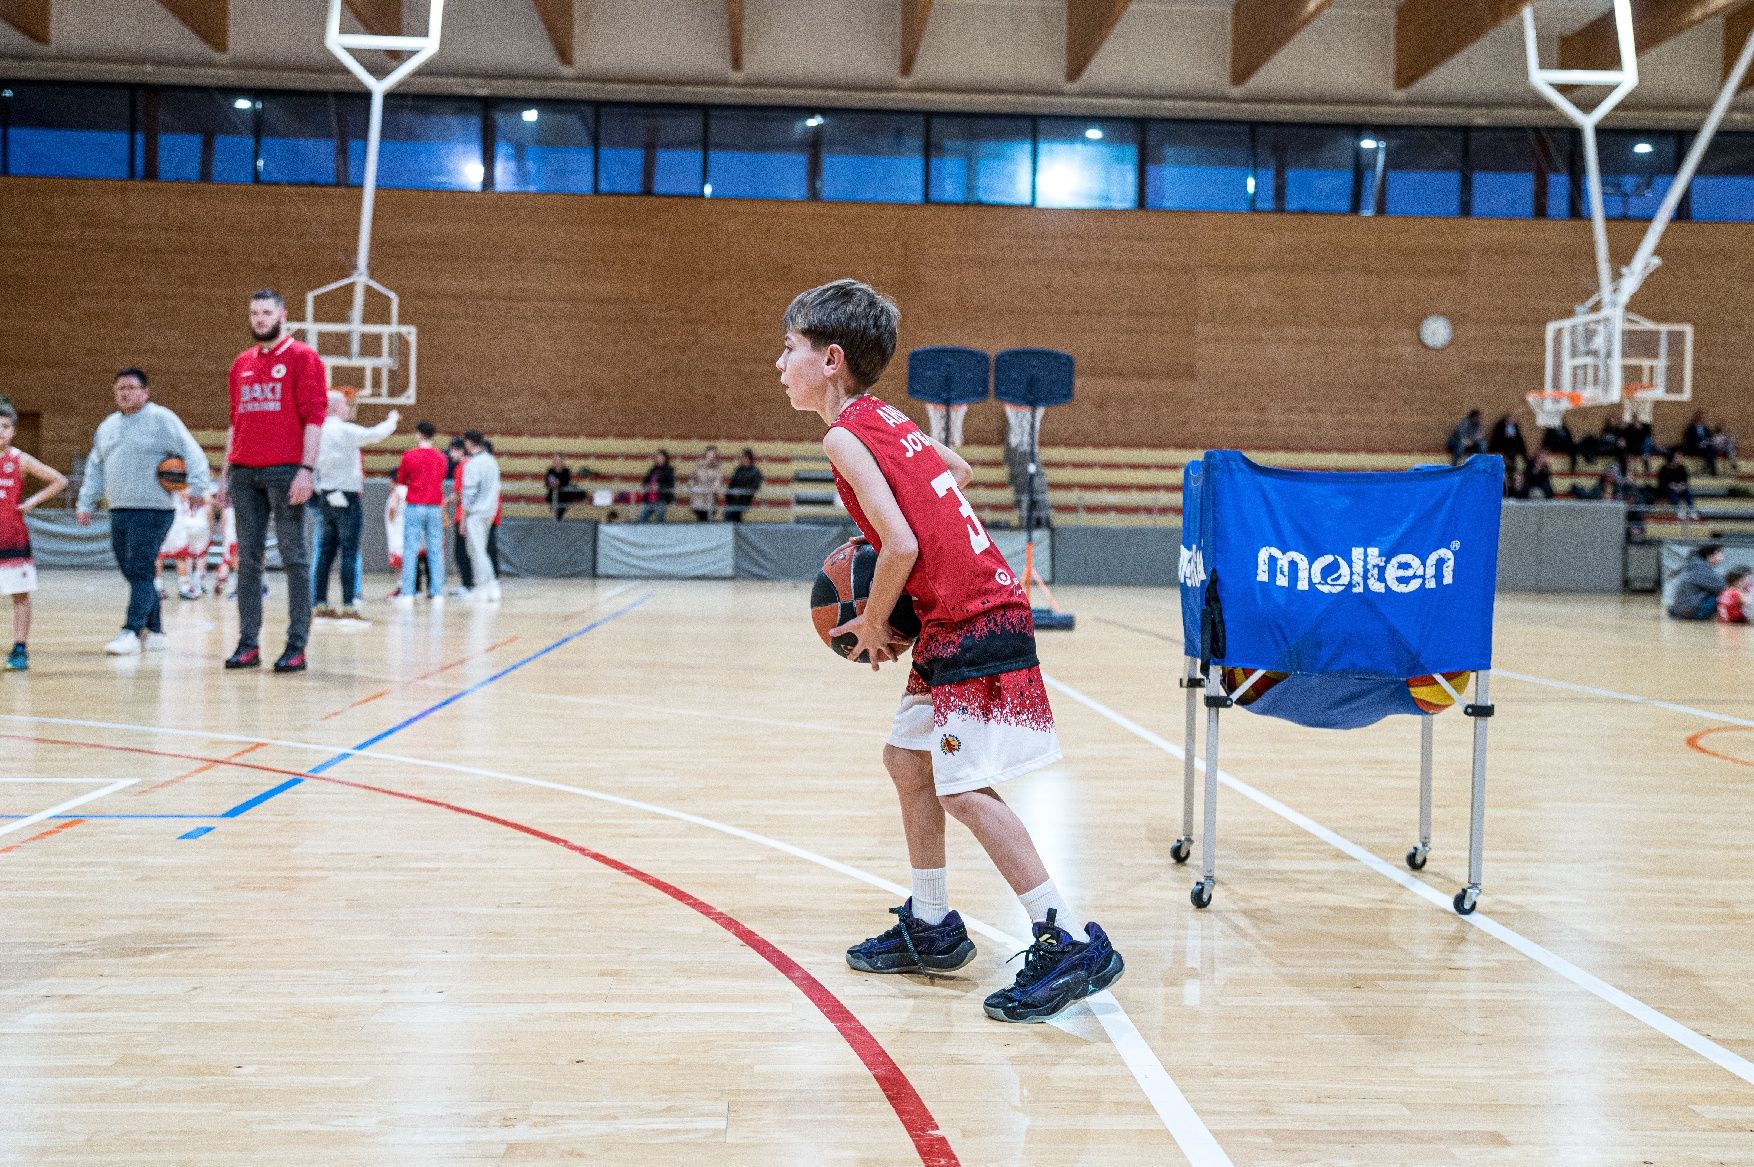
[(978, 539)]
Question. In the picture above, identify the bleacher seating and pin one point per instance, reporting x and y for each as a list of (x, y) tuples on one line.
[(1093, 485)]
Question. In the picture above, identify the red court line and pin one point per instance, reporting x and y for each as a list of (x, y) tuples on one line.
[(54, 830), (206, 766), (423, 676), (1693, 743), (915, 1117)]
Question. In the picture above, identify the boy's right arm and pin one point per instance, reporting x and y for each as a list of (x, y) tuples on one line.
[(956, 462)]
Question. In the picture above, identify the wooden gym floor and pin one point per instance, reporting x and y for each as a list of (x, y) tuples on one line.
[(583, 893)]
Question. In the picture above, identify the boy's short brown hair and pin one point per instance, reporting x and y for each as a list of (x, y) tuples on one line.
[(862, 320)]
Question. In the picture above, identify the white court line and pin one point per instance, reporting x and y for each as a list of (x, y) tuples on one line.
[(88, 796), (1667, 1026), (1634, 698), (1166, 1098)]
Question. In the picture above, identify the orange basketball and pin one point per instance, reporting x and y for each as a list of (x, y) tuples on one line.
[(1232, 679), (842, 587), (173, 474), (1432, 697)]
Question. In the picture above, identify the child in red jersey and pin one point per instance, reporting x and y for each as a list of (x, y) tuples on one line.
[(975, 712), (18, 573), (1732, 602)]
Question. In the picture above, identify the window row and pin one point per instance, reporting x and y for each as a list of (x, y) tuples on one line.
[(449, 143)]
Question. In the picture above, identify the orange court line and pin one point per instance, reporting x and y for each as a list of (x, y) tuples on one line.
[(54, 830), (203, 768), (415, 680), (1693, 743)]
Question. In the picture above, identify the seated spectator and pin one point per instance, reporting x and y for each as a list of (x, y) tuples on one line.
[(1610, 443), (1641, 443), (1725, 445), (1557, 441), (1506, 440), (1732, 602), (557, 481), (1673, 486), (1696, 442), (705, 484), (745, 481), (1467, 439), (1537, 480), (657, 489), (1698, 584)]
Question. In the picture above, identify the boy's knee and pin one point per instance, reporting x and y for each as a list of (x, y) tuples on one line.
[(908, 768)]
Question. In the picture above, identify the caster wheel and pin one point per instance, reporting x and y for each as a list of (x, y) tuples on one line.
[(1201, 896), (1465, 901), (1416, 859), (1181, 849)]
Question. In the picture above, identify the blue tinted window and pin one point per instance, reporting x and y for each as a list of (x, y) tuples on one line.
[(1421, 170), (649, 150), (1087, 162), (1724, 187), (1198, 166), (1519, 174), (759, 153), (981, 160), (1311, 166), (68, 131), (543, 146), (302, 135), (873, 157), (429, 143), (1637, 169), (206, 135)]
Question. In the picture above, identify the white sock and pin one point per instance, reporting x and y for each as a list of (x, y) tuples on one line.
[(1037, 902), (931, 895)]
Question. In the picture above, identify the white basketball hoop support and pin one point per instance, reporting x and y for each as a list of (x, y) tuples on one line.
[(394, 339)]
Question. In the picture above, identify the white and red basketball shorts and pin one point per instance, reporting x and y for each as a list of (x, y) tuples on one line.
[(979, 732)]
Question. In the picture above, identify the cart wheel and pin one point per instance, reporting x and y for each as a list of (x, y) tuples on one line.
[(1181, 849), (1201, 896), (1466, 899), (1416, 859)]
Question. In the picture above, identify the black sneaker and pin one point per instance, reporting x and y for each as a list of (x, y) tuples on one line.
[(291, 661), (245, 658), (914, 946), (1057, 970)]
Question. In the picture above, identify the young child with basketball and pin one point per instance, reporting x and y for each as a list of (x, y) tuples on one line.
[(18, 573), (975, 711)]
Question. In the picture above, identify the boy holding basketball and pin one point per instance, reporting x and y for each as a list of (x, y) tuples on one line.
[(975, 712)]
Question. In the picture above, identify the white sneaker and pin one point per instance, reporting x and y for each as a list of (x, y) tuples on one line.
[(492, 596), (457, 590), (125, 644), (154, 641), (403, 601)]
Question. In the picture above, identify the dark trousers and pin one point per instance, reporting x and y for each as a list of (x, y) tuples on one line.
[(339, 535), (136, 534), (259, 493), (460, 553)]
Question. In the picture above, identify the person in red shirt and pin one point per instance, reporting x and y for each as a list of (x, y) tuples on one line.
[(279, 396), (18, 573), (975, 711), (1732, 602), (420, 497)]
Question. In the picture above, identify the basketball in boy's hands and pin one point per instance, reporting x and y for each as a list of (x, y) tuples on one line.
[(842, 587)]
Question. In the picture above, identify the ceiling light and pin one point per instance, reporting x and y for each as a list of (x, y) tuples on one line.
[(243, 103), (5, 93), (474, 172), (1368, 143), (1251, 184), (813, 120), (707, 190), (1643, 148), (1094, 134), (531, 115)]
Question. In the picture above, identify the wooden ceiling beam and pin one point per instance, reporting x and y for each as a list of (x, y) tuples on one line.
[(1738, 27), (1260, 28), (30, 17), (1597, 45), (1430, 32), (378, 17), (208, 19), (914, 14), (1088, 23), (559, 18), (734, 24)]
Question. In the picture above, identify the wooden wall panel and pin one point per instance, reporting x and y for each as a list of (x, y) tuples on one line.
[(660, 317)]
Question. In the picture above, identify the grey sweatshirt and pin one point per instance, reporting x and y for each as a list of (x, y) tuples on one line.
[(480, 485), (123, 467)]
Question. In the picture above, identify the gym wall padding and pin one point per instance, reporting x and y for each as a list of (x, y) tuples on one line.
[(1263, 331), (1562, 546), (545, 549), (790, 551), (1122, 556), (665, 551)]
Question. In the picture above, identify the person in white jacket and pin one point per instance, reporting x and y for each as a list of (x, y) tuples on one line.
[(341, 514), (480, 504)]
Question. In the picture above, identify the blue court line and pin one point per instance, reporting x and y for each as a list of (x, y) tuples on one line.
[(330, 763), (117, 816)]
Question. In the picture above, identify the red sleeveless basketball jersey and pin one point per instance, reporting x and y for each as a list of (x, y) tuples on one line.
[(975, 618), (14, 535)]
